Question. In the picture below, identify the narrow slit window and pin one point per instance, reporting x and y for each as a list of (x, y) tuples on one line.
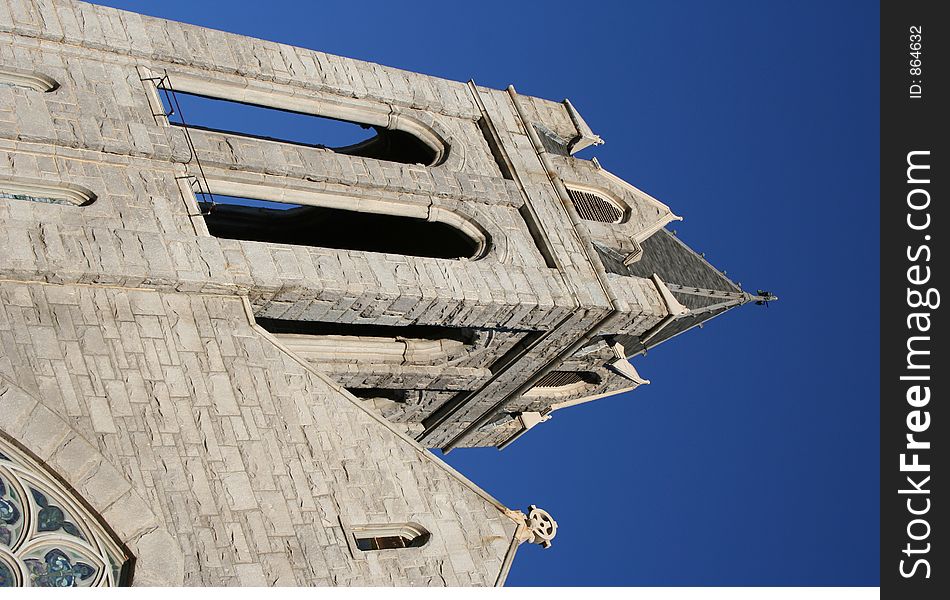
[(67, 195), (323, 342), (245, 119), (594, 207), (11, 77), (318, 226), (390, 537)]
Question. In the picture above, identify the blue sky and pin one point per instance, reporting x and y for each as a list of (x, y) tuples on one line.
[(752, 459)]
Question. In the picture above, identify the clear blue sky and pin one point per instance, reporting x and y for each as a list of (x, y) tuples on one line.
[(752, 459)]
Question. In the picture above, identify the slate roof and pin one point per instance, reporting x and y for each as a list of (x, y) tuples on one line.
[(677, 265)]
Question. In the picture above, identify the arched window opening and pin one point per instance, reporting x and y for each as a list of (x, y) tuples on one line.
[(324, 227), (209, 113), (47, 539), (390, 537), (595, 207), (562, 383), (68, 195), (323, 342), (12, 77)]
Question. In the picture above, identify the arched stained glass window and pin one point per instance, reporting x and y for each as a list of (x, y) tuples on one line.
[(47, 538)]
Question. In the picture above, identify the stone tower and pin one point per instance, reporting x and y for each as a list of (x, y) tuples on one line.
[(222, 354)]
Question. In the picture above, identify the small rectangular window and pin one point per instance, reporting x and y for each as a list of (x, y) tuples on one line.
[(381, 543), (366, 544), (390, 537)]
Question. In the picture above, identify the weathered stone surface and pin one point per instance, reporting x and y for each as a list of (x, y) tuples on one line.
[(265, 483), (196, 389)]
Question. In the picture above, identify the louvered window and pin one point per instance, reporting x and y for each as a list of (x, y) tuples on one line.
[(563, 382), (559, 379), (594, 207)]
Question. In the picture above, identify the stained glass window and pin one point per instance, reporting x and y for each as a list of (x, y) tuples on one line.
[(47, 538)]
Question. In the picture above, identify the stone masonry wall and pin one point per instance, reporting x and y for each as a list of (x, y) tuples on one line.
[(215, 456), (99, 129)]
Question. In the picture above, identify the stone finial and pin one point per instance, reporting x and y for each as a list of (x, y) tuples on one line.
[(585, 137), (623, 366), (540, 527)]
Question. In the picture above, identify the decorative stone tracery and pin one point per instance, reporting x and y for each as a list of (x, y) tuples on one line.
[(47, 538)]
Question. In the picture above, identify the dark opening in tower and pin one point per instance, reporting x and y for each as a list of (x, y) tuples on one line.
[(245, 119), (283, 223)]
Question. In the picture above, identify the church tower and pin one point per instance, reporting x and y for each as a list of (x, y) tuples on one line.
[(223, 351)]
